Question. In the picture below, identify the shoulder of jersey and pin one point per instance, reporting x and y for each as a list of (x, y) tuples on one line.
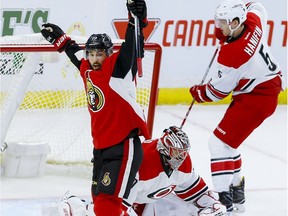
[(233, 54), (186, 166), (151, 165)]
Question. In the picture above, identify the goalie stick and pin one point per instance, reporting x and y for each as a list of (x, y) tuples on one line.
[(202, 81)]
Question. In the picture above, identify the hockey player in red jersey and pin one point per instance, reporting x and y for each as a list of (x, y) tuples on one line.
[(117, 120), (246, 68), (167, 168)]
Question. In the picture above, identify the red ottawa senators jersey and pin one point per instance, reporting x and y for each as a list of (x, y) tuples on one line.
[(154, 181), (112, 105)]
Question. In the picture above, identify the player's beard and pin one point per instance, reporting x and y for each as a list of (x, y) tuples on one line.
[(96, 66)]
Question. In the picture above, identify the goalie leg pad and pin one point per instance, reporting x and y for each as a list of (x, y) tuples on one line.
[(77, 206), (69, 205), (58, 209)]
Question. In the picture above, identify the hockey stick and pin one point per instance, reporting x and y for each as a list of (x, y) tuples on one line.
[(137, 43), (202, 81)]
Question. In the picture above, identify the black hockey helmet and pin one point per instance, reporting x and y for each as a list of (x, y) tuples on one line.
[(101, 42)]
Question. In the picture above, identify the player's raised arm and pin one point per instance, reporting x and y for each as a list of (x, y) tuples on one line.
[(128, 56), (62, 42), (55, 35)]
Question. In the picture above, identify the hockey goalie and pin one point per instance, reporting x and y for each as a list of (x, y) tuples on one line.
[(166, 184)]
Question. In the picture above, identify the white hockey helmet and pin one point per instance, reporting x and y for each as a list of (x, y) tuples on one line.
[(228, 10), (174, 145)]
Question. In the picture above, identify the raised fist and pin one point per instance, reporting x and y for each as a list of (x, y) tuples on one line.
[(55, 35), (139, 9)]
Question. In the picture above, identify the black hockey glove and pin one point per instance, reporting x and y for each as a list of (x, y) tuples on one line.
[(55, 35), (139, 9)]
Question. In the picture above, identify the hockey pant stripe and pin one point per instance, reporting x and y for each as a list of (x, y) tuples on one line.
[(124, 173)]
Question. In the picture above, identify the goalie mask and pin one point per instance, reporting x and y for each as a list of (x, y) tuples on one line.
[(228, 10), (174, 145), (99, 42)]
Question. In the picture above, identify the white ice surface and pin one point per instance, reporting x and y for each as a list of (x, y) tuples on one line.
[(264, 156)]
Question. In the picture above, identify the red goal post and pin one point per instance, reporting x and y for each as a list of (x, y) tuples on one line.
[(37, 97)]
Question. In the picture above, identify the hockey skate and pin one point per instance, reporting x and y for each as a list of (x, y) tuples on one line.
[(238, 196), (226, 199)]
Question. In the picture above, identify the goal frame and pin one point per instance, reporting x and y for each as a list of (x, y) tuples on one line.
[(148, 46)]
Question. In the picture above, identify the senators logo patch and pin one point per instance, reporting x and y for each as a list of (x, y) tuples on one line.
[(106, 179), (95, 96)]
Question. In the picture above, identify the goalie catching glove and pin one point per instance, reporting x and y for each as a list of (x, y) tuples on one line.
[(139, 9), (55, 35), (198, 92), (209, 205)]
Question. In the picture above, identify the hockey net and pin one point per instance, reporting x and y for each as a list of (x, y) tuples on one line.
[(48, 91)]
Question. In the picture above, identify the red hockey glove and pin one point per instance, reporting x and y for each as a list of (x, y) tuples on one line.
[(198, 92), (55, 35), (139, 9)]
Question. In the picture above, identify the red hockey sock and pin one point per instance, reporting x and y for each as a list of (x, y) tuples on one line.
[(107, 205)]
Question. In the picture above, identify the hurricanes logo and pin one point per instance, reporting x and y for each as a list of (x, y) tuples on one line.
[(106, 179), (95, 97), (161, 192)]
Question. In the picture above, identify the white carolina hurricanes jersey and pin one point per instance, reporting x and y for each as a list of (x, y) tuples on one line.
[(155, 180), (246, 61)]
